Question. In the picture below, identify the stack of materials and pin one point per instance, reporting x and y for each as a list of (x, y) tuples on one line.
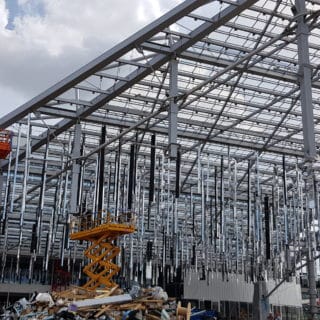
[(77, 303)]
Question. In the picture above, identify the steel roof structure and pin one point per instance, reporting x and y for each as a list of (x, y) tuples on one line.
[(230, 88)]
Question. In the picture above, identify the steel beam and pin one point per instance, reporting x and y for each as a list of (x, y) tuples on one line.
[(210, 60), (102, 61), (74, 209), (190, 135), (178, 47), (173, 109), (305, 74), (181, 120)]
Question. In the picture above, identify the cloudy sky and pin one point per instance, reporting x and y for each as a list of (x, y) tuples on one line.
[(41, 41)]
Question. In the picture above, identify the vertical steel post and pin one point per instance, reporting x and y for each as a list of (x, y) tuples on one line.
[(5, 222), (222, 217), (74, 208), (131, 176), (305, 74), (24, 194), (65, 213), (203, 211), (312, 287), (249, 205), (267, 227), (151, 176), (41, 198), (173, 110), (100, 181), (216, 212), (15, 174), (178, 164), (117, 182)]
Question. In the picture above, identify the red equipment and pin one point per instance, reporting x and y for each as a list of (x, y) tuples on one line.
[(5, 143)]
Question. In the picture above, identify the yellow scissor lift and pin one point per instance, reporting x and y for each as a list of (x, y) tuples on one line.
[(102, 232)]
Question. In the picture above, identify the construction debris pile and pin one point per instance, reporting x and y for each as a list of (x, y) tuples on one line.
[(78, 303)]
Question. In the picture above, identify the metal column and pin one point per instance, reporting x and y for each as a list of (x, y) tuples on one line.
[(305, 74), (312, 287), (261, 306), (173, 109), (74, 208)]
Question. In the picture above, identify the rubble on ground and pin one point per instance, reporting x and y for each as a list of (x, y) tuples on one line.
[(77, 303)]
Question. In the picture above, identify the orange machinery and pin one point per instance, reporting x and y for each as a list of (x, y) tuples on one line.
[(5, 143), (102, 233)]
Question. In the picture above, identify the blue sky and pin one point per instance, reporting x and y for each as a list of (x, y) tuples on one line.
[(32, 7), (14, 10)]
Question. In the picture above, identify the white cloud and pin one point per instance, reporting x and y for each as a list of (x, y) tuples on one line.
[(43, 48), (3, 15)]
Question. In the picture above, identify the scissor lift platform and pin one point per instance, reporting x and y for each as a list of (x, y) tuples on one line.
[(102, 251), (111, 230)]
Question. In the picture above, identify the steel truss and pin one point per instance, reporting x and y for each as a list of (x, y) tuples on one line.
[(230, 89)]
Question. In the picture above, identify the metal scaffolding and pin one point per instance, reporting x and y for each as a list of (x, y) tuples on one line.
[(205, 123)]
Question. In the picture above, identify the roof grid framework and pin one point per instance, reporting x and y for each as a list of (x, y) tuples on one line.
[(238, 98)]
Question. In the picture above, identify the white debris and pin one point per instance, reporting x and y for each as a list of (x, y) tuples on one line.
[(45, 298), (159, 294)]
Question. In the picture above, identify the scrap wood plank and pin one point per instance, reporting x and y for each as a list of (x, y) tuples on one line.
[(80, 288), (73, 294), (152, 317), (127, 305), (102, 311), (150, 301), (61, 293), (134, 306), (108, 293), (139, 306), (123, 307), (83, 291)]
